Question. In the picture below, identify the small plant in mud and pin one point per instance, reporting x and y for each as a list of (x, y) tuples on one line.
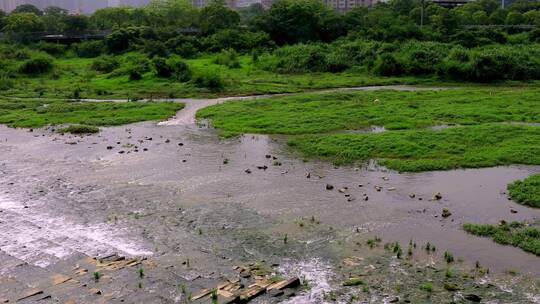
[(225, 161), (449, 273), (397, 250), (183, 288), (448, 257), (374, 242), (353, 282), (427, 287), (365, 289), (200, 231), (140, 285), (214, 296), (285, 239), (97, 276), (141, 273)]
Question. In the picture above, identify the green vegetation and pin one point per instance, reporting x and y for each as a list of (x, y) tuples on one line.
[(322, 113), (480, 135), (79, 129), (353, 282), (515, 234), (27, 113), (527, 191), (425, 150)]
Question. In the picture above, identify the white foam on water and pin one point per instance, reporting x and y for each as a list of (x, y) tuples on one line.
[(40, 238), (316, 272)]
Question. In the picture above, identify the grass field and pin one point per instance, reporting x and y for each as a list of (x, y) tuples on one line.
[(38, 113), (330, 126), (74, 76), (527, 191), (514, 234)]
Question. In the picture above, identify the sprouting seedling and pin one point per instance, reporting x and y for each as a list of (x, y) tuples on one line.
[(200, 231), (285, 239), (214, 296), (97, 275), (141, 273), (140, 285)]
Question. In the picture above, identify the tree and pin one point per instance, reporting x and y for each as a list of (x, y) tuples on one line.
[(54, 18), (514, 18), (292, 21), (480, 18), (179, 13), (217, 16), (21, 26), (76, 23), (28, 8)]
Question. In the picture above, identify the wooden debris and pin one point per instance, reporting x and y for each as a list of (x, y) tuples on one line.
[(59, 278), (290, 283), (30, 293)]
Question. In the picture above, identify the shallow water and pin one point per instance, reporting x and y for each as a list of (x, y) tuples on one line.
[(84, 198)]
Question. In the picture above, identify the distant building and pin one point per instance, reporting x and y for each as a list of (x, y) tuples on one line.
[(346, 5), (73, 6)]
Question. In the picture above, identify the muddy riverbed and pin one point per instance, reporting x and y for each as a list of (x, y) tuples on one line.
[(195, 205)]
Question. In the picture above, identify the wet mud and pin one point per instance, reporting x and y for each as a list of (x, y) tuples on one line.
[(190, 206)]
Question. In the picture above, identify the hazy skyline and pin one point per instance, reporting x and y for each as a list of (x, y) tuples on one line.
[(76, 6)]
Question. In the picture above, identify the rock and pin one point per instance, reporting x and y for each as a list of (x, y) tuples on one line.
[(121, 152), (446, 213), (394, 300), (360, 185), (95, 291), (378, 188), (329, 187), (268, 156), (385, 178), (262, 167), (366, 198), (342, 190), (167, 141), (248, 171), (513, 211), (184, 160), (412, 195), (350, 199), (145, 149), (109, 147), (437, 196), (308, 175), (180, 144), (391, 189), (473, 298)]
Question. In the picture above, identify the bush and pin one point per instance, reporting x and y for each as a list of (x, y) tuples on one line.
[(105, 64), (301, 58), (135, 73), (228, 58), (173, 67), (37, 65), (53, 49), (89, 49), (210, 81), (387, 65), (420, 58), (79, 129)]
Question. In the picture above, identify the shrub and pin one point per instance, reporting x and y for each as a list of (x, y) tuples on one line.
[(387, 65), (89, 49), (228, 58), (301, 58), (37, 65), (173, 67), (210, 81), (105, 64), (135, 73), (526, 191), (79, 129), (53, 49)]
